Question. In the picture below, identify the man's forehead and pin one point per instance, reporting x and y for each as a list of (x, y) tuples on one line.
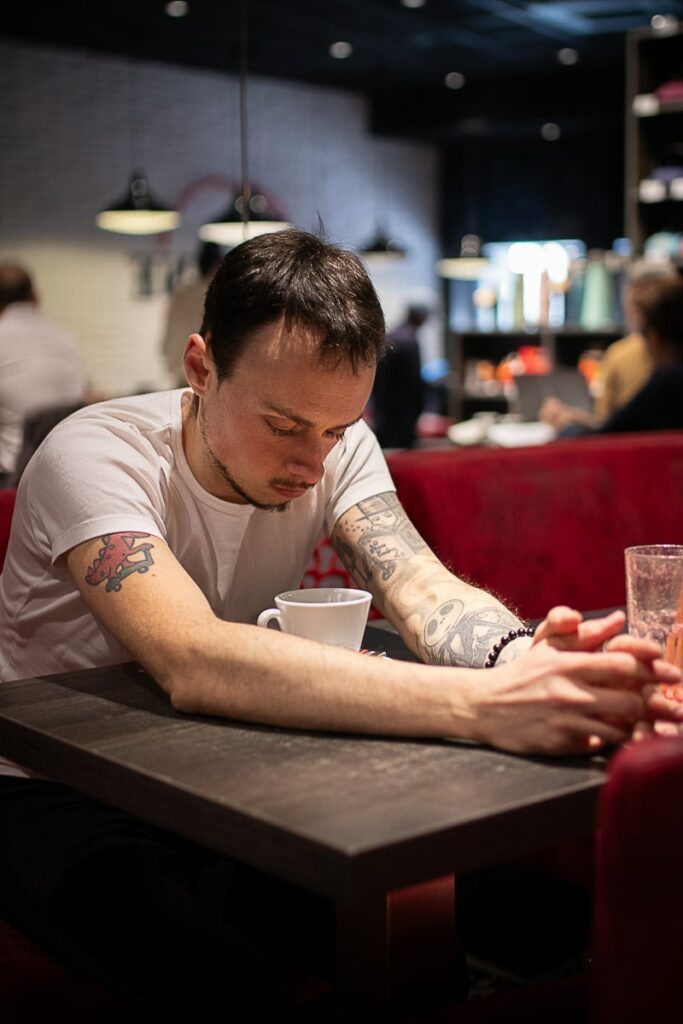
[(277, 347), (281, 340), (286, 375)]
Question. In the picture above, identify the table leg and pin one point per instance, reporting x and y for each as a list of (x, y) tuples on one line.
[(396, 951)]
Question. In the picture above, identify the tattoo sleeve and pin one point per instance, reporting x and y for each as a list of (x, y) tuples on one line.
[(119, 557), (376, 538), (454, 635), (444, 620)]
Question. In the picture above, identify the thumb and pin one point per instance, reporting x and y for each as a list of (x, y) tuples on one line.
[(559, 621)]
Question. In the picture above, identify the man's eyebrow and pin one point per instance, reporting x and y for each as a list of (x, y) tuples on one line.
[(287, 414)]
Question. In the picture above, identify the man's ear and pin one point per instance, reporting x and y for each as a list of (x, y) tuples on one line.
[(198, 364)]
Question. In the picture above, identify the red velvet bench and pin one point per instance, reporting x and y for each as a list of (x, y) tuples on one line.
[(546, 525)]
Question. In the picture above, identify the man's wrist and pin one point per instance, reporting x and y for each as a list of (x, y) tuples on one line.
[(510, 646)]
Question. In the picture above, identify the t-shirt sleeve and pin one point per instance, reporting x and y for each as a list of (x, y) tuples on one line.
[(360, 473), (86, 481)]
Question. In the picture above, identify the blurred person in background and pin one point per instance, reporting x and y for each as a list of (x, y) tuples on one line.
[(40, 364), (398, 391), (185, 311), (626, 365), (658, 405)]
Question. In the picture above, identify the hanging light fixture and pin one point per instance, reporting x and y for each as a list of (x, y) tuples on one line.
[(468, 265), (248, 215), (231, 227), (137, 212), (382, 249), (461, 268)]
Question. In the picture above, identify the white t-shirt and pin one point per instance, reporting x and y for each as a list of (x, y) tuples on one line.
[(120, 465), (40, 366)]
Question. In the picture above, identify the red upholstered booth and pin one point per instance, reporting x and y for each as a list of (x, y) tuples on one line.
[(7, 498), (638, 895), (546, 525), (638, 924)]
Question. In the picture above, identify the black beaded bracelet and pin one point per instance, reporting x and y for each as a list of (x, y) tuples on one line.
[(492, 656)]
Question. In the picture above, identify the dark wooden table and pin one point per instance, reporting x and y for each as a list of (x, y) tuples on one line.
[(379, 826)]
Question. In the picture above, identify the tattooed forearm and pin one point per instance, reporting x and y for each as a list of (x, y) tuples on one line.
[(377, 538), (454, 636), (442, 619), (119, 557)]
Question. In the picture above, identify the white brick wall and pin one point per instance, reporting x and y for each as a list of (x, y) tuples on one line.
[(77, 124)]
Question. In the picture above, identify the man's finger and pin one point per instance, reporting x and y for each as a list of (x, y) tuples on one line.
[(559, 620), (661, 707), (595, 632), (642, 731), (564, 629), (620, 669), (590, 735), (646, 650), (615, 706)]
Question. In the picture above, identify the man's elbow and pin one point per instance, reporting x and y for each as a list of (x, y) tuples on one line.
[(179, 682), (184, 700)]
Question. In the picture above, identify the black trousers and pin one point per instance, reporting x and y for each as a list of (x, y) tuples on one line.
[(175, 929)]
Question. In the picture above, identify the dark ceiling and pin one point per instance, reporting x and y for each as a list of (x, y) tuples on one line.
[(504, 48)]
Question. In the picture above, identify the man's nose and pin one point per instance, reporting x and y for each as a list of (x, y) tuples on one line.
[(305, 463)]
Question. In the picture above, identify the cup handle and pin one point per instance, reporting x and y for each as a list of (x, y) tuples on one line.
[(266, 617)]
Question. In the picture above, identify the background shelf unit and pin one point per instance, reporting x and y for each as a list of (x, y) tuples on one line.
[(652, 58), (564, 345)]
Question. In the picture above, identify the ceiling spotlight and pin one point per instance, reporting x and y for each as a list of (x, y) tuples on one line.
[(551, 132), (454, 80), (664, 23), (567, 56), (341, 50), (413, 3), (177, 8)]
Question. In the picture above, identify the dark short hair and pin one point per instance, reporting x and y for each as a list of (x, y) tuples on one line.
[(15, 285), (661, 308), (209, 257), (313, 284)]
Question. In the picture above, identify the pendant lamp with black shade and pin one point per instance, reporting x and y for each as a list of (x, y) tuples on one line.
[(382, 249), (248, 214), (137, 212)]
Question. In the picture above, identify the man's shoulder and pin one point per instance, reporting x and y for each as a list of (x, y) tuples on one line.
[(126, 420), (152, 406)]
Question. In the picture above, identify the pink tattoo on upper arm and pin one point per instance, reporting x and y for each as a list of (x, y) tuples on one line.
[(115, 559)]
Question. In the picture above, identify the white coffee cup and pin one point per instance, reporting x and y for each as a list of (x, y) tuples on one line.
[(332, 615)]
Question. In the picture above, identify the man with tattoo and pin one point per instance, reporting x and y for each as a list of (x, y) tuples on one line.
[(157, 527)]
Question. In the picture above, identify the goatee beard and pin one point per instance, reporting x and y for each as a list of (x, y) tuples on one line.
[(222, 471)]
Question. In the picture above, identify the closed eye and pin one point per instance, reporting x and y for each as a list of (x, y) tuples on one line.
[(279, 431), (290, 431)]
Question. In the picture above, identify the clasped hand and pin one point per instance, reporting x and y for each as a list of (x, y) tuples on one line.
[(580, 685)]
